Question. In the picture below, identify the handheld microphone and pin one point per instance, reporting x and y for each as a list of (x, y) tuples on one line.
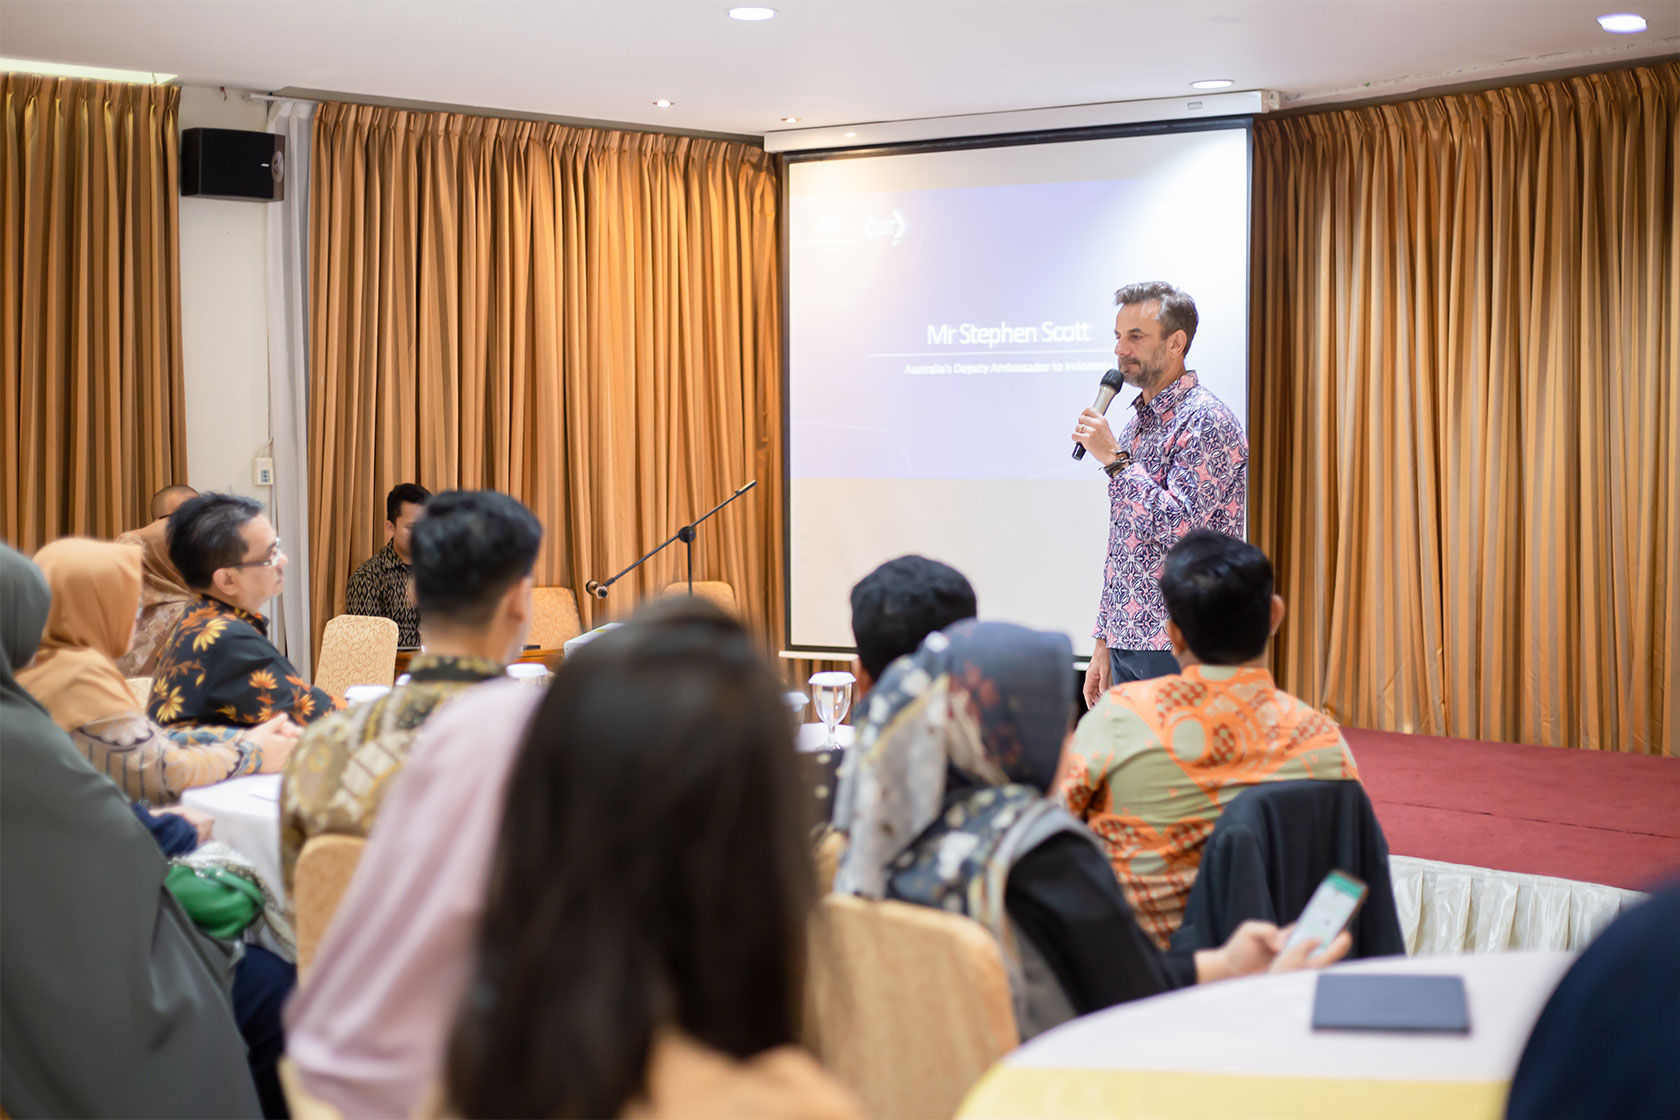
[(1111, 384), (593, 587)]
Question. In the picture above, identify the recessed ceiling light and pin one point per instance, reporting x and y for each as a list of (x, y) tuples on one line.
[(752, 15), (850, 135), (1213, 83), (663, 103), (98, 73), (1622, 23), (790, 120)]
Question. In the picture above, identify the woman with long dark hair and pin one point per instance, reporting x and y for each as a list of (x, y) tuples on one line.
[(642, 947)]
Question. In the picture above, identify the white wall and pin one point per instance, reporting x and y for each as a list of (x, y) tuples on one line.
[(224, 322)]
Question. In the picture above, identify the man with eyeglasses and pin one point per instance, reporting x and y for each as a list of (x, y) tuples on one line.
[(219, 666)]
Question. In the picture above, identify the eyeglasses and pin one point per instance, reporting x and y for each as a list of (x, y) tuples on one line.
[(272, 560)]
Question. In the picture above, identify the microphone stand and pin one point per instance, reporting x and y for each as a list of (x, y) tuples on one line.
[(686, 535)]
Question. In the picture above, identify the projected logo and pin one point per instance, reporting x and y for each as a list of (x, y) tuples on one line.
[(892, 229), (835, 231)]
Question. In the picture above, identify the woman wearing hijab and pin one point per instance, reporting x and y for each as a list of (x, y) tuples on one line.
[(959, 745), (111, 1003), (96, 589), (164, 595)]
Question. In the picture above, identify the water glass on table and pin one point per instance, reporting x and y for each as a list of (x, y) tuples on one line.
[(831, 695)]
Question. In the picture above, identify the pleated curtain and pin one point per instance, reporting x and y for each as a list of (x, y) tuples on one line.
[(585, 319), (91, 408), (1466, 405)]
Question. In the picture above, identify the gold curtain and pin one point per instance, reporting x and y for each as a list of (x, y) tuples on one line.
[(90, 306), (585, 319), (1466, 404)]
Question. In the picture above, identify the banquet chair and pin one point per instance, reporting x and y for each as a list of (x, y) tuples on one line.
[(141, 687), (323, 873), (906, 1005), (830, 847), (716, 590), (554, 619), (1268, 852), (356, 649)]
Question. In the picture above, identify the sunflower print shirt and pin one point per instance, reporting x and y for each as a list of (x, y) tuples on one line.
[(218, 667)]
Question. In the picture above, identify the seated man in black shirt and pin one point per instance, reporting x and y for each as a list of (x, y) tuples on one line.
[(381, 585)]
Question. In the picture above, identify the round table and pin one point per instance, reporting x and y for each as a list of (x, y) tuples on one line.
[(247, 816), (1246, 1048)]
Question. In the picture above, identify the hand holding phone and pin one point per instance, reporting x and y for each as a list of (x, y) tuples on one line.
[(1329, 911)]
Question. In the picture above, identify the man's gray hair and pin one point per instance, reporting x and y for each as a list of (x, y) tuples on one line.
[(1178, 310)]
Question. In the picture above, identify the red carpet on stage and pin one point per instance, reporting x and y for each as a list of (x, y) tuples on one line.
[(1595, 816)]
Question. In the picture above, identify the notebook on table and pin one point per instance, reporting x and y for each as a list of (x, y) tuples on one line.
[(1412, 1004)]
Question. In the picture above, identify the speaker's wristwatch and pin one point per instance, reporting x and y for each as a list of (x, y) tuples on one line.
[(1120, 463)]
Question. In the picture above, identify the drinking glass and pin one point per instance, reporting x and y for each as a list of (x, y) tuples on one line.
[(831, 694)]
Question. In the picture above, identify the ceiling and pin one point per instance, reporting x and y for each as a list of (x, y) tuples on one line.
[(828, 62)]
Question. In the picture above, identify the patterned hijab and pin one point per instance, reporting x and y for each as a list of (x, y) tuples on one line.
[(958, 746), (95, 594)]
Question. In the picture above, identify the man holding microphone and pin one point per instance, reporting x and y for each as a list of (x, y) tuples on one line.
[(1180, 463)]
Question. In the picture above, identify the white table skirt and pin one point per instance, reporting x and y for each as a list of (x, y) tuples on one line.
[(247, 816), (1449, 908)]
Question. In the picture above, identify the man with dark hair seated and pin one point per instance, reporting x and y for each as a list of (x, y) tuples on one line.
[(900, 603), (1154, 763), (473, 555), (381, 586), (894, 608), (218, 665)]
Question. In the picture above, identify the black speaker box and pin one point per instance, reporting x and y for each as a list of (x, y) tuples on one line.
[(232, 163)]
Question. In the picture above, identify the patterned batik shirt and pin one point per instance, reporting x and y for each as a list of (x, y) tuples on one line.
[(339, 770), (219, 667), (1154, 764), (381, 587), (1189, 471)]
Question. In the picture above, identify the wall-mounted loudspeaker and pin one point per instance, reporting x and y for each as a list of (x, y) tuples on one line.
[(232, 163)]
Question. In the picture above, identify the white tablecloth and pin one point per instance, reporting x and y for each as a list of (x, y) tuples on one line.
[(1448, 908), (247, 816), (812, 736), (1247, 1047)]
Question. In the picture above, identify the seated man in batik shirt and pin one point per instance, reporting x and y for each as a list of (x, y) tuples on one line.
[(218, 665), (1154, 763), (382, 585), (474, 553)]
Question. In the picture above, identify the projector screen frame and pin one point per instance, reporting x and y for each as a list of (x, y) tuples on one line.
[(1242, 123)]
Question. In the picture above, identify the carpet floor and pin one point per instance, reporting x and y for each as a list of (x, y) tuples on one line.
[(1594, 816)]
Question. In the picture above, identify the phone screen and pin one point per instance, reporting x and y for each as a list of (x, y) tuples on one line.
[(1329, 910)]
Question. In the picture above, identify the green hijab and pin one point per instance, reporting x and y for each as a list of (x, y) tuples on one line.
[(111, 1004)]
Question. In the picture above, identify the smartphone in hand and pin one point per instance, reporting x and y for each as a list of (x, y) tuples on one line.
[(1329, 911)]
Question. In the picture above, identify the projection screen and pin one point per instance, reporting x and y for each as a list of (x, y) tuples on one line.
[(949, 313)]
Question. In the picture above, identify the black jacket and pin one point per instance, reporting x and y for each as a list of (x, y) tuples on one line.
[(1272, 846)]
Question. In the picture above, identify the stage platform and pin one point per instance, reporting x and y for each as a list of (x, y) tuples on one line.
[(1593, 816), (1503, 846)]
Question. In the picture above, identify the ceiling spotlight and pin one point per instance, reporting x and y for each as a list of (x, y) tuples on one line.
[(851, 135), (1622, 23), (790, 120), (752, 15), (663, 103), (1213, 83)]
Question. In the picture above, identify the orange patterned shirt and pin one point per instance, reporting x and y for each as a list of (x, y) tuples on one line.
[(1155, 762)]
